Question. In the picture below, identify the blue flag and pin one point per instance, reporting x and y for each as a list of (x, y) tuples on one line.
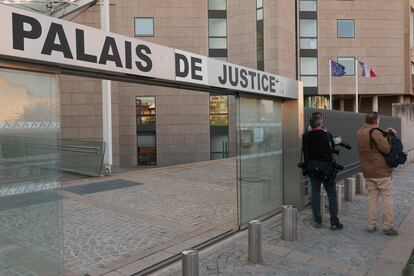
[(338, 70)]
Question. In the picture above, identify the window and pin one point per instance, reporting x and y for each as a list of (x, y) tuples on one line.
[(346, 28), (144, 26), (219, 127), (309, 71), (217, 29), (259, 35), (217, 5), (308, 28), (349, 63), (146, 131), (308, 5)]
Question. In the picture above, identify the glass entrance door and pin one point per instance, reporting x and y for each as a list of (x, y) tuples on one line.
[(259, 167)]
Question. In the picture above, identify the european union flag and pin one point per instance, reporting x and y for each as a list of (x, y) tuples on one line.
[(337, 69)]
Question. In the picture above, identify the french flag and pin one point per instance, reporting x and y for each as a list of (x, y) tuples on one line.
[(365, 71)]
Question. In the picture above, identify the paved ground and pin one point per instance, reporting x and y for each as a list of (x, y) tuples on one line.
[(169, 208), (352, 251)]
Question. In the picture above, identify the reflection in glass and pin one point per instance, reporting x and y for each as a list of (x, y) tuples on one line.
[(30, 200), (260, 161), (146, 131)]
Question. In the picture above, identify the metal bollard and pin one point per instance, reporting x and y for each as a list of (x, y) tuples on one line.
[(255, 242), (289, 223), (338, 198), (189, 262), (350, 189), (323, 200), (360, 184)]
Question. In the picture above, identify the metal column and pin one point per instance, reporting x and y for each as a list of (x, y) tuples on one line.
[(360, 183), (106, 99), (289, 223), (190, 266), (255, 242), (350, 189)]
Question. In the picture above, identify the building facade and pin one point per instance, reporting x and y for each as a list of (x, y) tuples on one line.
[(377, 33)]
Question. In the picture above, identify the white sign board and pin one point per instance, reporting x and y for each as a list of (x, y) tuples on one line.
[(43, 39)]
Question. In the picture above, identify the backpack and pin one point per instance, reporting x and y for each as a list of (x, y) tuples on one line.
[(396, 156)]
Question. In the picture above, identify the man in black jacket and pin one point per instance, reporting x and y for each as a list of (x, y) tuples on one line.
[(318, 145)]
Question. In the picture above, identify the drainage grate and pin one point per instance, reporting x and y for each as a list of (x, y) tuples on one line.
[(101, 186), (24, 200)]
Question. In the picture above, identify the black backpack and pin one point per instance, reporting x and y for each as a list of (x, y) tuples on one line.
[(396, 156)]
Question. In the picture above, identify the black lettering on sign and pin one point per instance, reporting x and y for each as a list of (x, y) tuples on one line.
[(265, 84), (234, 81), (142, 52), (272, 84), (80, 48), (179, 71), (110, 45), (19, 34), (128, 55), (223, 79), (252, 75), (195, 68), (243, 78), (56, 30)]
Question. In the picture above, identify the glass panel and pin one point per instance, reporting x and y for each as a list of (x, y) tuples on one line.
[(308, 28), (217, 43), (144, 26), (31, 224), (346, 28), (308, 43), (260, 158), (259, 15), (308, 5), (259, 4), (308, 66), (349, 64), (309, 81), (217, 27), (217, 4), (146, 131), (225, 59)]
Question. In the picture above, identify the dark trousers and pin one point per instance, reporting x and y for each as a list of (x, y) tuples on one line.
[(316, 200)]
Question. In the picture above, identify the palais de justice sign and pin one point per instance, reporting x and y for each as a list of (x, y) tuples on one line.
[(39, 38)]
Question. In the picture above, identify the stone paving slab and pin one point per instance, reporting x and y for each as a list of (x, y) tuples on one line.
[(352, 251)]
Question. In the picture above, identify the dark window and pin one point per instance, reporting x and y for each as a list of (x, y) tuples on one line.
[(146, 131), (219, 127), (260, 34)]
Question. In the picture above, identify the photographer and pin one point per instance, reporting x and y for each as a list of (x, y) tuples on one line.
[(318, 146)]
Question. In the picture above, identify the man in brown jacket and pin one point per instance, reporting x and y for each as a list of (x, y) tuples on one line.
[(377, 174)]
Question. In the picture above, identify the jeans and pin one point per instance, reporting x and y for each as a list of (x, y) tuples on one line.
[(380, 188), (316, 200)]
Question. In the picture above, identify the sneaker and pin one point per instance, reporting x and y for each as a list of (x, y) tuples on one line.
[(390, 232), (337, 226), (372, 229)]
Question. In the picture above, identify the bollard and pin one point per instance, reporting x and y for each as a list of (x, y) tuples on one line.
[(289, 223), (350, 189), (323, 200), (189, 262), (360, 184), (338, 198), (255, 242)]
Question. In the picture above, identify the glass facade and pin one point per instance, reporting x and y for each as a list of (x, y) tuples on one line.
[(146, 131), (31, 214), (217, 29), (260, 158)]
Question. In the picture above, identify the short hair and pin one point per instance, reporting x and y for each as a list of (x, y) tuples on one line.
[(316, 121), (371, 118), (317, 113)]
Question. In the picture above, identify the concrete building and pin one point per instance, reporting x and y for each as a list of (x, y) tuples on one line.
[(180, 126), (377, 33)]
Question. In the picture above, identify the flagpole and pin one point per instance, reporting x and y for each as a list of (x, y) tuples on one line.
[(356, 87), (330, 84)]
